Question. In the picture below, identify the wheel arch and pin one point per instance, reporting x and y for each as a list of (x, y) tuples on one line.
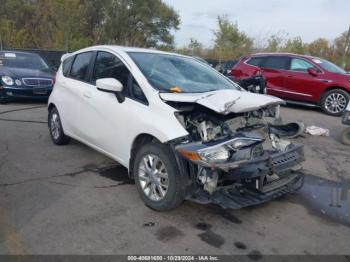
[(333, 87), (139, 140), (51, 106)]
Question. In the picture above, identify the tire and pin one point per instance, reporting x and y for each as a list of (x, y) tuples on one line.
[(174, 185), (56, 129), (345, 136), (340, 98)]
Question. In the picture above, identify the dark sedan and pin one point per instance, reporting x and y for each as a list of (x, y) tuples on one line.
[(24, 76)]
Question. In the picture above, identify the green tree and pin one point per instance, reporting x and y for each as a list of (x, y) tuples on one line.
[(196, 47), (73, 24), (146, 23), (338, 49), (319, 47), (276, 41), (294, 45), (229, 41)]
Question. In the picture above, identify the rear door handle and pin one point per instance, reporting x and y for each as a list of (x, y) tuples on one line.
[(289, 76)]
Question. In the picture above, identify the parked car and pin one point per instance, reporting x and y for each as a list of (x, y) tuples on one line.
[(24, 76), (183, 130), (299, 79), (227, 66), (345, 135)]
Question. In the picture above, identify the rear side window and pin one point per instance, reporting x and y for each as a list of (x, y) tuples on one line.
[(255, 61), (276, 62), (108, 65), (80, 66), (66, 65)]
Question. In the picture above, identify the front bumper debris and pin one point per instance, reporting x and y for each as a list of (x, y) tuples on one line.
[(269, 163), (238, 196), (244, 162), (254, 180)]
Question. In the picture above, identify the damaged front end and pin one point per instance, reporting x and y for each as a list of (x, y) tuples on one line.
[(238, 159)]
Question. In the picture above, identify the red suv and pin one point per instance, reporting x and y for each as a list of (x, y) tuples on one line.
[(299, 79)]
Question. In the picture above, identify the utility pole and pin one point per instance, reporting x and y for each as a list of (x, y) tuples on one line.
[(346, 48), (1, 47)]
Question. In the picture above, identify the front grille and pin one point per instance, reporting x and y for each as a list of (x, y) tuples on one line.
[(37, 81), (285, 159)]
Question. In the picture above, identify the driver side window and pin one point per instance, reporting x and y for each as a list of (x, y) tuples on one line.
[(108, 65), (300, 65)]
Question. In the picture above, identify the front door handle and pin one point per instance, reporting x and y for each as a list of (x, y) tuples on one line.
[(290, 76)]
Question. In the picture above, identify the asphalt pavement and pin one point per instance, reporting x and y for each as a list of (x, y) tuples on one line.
[(73, 200)]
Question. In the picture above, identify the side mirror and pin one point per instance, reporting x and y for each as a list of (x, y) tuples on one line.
[(111, 85), (312, 71)]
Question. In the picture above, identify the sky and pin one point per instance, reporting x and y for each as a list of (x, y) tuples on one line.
[(309, 19)]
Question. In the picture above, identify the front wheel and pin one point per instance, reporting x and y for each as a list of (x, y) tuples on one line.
[(334, 102), (345, 136), (157, 177)]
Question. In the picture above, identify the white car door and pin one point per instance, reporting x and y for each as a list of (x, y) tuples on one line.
[(104, 122), (76, 89)]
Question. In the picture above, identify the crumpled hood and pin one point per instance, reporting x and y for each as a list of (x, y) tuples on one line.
[(225, 101)]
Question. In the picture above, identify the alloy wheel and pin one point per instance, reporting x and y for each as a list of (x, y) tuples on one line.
[(335, 103), (55, 126), (153, 177)]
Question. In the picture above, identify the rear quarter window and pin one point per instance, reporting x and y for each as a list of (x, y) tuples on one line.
[(80, 66), (66, 65), (276, 62), (255, 61)]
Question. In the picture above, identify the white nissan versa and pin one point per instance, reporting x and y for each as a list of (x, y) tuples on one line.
[(182, 129)]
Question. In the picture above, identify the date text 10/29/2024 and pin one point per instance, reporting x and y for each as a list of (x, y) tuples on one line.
[(173, 258)]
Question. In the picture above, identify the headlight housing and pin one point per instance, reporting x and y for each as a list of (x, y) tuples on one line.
[(209, 155), (217, 152), (7, 80)]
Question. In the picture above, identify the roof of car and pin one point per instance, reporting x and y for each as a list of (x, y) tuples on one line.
[(17, 52), (117, 48), (281, 53), (127, 49)]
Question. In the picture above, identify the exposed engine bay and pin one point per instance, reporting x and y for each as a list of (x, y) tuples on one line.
[(235, 154), (206, 126)]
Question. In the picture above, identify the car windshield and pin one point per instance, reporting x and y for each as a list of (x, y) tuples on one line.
[(165, 71), (329, 66), (22, 60)]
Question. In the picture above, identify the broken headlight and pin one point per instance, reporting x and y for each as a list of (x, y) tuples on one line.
[(209, 155), (243, 142), (218, 152)]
